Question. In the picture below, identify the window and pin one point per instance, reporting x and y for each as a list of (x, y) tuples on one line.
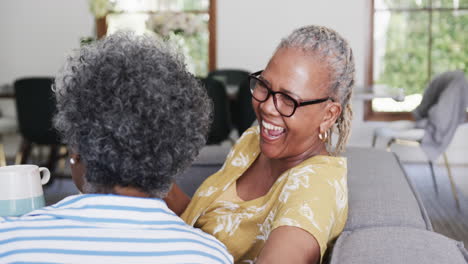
[(190, 24), (412, 41)]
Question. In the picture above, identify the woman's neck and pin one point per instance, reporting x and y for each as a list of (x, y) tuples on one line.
[(281, 165), (129, 191)]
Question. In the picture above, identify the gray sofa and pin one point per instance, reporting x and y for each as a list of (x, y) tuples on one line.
[(387, 222)]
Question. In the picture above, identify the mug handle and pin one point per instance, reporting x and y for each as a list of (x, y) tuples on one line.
[(45, 175)]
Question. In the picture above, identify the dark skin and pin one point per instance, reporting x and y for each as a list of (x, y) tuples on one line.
[(177, 200), (78, 171)]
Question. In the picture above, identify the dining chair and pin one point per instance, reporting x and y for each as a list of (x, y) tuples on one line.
[(229, 77), (8, 126), (245, 113), (220, 127), (35, 106), (441, 111), (232, 80)]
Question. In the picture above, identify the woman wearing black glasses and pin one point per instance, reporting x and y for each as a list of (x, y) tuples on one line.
[(281, 196)]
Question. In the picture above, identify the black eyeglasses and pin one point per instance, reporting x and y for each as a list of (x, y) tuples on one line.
[(284, 104)]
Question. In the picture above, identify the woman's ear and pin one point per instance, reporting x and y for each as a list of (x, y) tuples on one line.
[(74, 158), (332, 112), (78, 169)]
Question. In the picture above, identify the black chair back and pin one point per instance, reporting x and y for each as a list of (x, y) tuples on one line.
[(229, 76), (35, 105), (245, 113), (221, 121), (232, 79)]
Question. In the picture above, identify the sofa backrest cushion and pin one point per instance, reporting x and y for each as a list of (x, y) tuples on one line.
[(380, 193)]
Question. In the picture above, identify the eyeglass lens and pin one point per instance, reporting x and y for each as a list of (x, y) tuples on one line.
[(260, 92)]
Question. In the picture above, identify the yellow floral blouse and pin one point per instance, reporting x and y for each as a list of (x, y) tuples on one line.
[(312, 196)]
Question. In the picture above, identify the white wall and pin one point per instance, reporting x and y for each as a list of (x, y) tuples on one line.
[(36, 35), (248, 31)]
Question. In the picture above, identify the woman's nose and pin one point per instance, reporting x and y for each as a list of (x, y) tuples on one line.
[(269, 106)]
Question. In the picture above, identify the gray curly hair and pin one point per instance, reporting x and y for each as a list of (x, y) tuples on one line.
[(336, 52), (131, 110)]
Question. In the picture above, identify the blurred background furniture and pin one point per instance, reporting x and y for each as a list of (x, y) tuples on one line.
[(442, 110), (245, 113), (238, 93), (231, 78), (221, 119), (7, 126), (35, 105)]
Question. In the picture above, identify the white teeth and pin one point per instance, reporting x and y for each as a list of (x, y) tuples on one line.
[(270, 126)]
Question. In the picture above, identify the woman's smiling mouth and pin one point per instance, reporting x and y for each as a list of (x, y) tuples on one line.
[(271, 132)]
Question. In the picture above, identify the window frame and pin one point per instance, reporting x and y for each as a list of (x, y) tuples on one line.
[(369, 114), (101, 30)]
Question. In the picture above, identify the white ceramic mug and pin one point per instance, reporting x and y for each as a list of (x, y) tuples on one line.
[(21, 189)]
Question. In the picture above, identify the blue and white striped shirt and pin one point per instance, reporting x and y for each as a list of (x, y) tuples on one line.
[(100, 228)]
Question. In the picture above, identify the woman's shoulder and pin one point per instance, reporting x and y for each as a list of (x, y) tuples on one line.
[(329, 166), (321, 175), (317, 186), (327, 161)]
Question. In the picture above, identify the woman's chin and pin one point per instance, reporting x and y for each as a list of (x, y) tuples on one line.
[(271, 145), (269, 150)]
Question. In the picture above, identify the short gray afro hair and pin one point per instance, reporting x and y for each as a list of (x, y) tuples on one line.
[(131, 110)]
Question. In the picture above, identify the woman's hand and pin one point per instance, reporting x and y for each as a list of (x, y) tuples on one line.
[(287, 244), (177, 200)]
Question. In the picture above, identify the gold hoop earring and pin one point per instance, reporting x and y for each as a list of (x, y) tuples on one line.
[(323, 136)]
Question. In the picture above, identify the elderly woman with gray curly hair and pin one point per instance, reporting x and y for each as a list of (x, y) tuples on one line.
[(133, 118)]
